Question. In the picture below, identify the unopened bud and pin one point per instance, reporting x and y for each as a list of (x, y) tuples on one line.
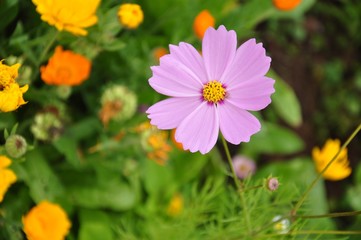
[(243, 166), (15, 146), (272, 184)]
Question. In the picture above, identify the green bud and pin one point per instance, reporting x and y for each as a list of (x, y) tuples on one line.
[(63, 91), (47, 126), (118, 104), (15, 146)]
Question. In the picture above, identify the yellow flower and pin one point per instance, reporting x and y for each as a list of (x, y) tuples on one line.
[(339, 169), (65, 68), (203, 21), (157, 140), (7, 176), (46, 221), (286, 5), (8, 74), (69, 15), (11, 94), (154, 142), (175, 206), (130, 15)]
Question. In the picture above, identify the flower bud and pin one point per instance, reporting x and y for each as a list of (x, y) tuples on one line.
[(243, 166), (118, 104), (63, 91), (48, 125), (272, 184), (15, 146)]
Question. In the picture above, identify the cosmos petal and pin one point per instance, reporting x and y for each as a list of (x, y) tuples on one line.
[(237, 125), (174, 79), (168, 114), (218, 49), (187, 55), (252, 95), (199, 131), (250, 61)]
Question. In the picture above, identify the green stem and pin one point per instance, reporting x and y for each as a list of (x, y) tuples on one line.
[(307, 232), (238, 186), (47, 47), (252, 188), (340, 214), (305, 194)]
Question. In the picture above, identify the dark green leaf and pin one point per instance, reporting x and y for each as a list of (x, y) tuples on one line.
[(273, 139), (285, 101)]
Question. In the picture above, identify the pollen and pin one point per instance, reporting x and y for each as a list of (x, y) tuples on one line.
[(214, 92)]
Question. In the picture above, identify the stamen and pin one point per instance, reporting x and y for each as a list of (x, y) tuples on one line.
[(214, 92)]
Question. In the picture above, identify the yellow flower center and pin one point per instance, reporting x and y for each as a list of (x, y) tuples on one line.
[(214, 92)]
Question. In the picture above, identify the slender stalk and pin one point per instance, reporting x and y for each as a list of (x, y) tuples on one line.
[(48, 46), (340, 214), (239, 187), (253, 188), (305, 194), (307, 232)]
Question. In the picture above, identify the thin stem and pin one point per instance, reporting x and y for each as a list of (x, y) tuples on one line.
[(340, 214), (307, 232), (48, 46), (305, 194), (239, 187), (252, 188)]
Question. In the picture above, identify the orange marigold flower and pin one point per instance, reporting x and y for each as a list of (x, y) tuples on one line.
[(7, 176), (65, 68), (11, 94), (339, 169), (130, 15), (69, 15), (286, 5), (46, 221), (159, 52), (177, 144), (202, 21)]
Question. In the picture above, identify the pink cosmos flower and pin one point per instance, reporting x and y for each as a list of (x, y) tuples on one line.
[(211, 92)]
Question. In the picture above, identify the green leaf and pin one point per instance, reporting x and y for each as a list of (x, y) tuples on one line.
[(39, 176), (6, 134), (353, 197), (68, 147), (13, 130), (86, 190), (84, 128), (157, 179), (273, 139), (8, 11), (187, 166), (285, 101), (95, 225), (6, 120)]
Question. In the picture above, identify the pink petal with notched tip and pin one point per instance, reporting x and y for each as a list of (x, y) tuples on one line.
[(190, 58), (254, 94), (199, 131), (218, 50), (250, 61), (237, 125), (168, 114), (174, 79)]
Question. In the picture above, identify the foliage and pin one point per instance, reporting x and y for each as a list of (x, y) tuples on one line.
[(104, 176)]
